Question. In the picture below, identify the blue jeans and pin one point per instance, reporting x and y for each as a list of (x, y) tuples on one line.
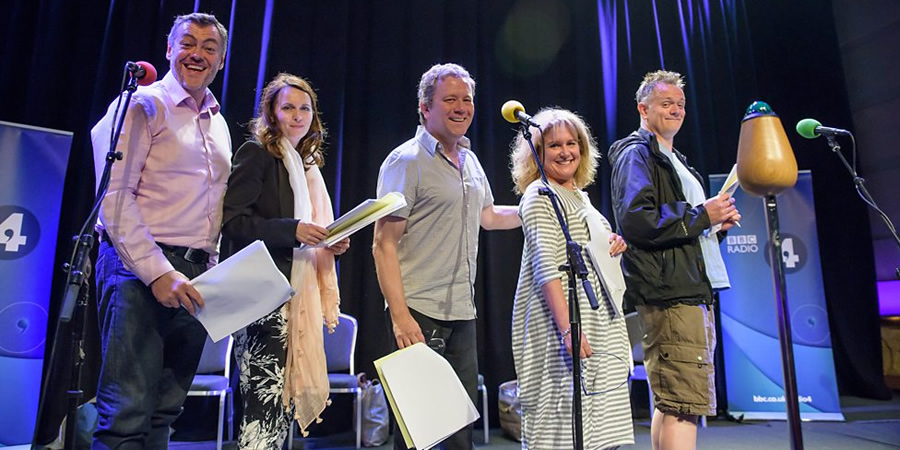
[(150, 354)]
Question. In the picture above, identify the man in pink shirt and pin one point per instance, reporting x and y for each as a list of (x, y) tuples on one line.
[(159, 227)]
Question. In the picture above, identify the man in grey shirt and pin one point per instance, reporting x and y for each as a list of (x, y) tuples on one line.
[(426, 253)]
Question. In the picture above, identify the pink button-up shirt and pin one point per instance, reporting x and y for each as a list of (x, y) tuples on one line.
[(169, 186)]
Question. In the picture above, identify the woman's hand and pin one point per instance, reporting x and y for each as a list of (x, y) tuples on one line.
[(310, 233), (617, 245), (339, 247), (586, 350)]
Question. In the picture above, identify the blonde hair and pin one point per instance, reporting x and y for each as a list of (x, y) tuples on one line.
[(522, 166), (652, 79), (265, 126)]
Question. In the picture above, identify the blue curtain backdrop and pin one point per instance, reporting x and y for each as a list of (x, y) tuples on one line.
[(62, 65)]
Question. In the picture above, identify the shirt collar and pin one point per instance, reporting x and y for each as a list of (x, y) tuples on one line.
[(177, 95), (655, 146), (646, 134), (425, 139)]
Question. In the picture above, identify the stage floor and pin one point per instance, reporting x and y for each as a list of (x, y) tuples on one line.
[(870, 424)]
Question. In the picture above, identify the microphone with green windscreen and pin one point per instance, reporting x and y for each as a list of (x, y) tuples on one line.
[(812, 128)]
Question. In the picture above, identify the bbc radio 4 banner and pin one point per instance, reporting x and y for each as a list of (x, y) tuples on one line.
[(32, 173), (753, 369)]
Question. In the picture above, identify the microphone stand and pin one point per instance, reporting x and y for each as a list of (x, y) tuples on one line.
[(860, 184), (76, 295), (785, 340), (574, 266)]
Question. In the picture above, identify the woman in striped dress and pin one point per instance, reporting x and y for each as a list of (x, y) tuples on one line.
[(541, 338)]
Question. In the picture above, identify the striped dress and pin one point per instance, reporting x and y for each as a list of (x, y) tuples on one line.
[(543, 365)]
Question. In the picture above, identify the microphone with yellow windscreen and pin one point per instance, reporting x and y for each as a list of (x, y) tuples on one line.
[(514, 112)]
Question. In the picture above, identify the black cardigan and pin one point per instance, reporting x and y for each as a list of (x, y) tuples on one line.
[(259, 204)]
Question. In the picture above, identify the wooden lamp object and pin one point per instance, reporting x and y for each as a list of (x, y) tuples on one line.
[(765, 167), (765, 160)]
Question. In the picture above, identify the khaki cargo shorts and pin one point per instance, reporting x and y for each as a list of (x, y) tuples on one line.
[(679, 342)]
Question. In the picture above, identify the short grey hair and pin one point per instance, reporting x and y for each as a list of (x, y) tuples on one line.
[(203, 20), (428, 83), (652, 79)]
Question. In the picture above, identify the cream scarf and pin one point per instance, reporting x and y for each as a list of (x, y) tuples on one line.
[(316, 297)]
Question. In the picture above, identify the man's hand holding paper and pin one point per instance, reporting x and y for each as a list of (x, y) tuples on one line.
[(248, 274)]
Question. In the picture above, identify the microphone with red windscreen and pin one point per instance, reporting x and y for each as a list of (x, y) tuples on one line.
[(142, 71)]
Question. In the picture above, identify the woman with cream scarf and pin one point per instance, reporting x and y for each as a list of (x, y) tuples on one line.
[(276, 193)]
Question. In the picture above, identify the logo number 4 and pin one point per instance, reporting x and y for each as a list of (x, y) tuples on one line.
[(11, 232), (787, 251)]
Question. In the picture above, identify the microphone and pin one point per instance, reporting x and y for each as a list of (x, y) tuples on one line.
[(142, 71), (812, 128), (514, 112)]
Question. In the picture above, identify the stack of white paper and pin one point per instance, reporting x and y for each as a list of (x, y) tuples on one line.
[(731, 182), (608, 268), (428, 400), (240, 290), (364, 214), (728, 187)]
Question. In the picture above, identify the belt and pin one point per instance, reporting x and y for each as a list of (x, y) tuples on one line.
[(191, 255)]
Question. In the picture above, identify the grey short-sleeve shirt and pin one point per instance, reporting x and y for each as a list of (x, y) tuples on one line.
[(439, 249)]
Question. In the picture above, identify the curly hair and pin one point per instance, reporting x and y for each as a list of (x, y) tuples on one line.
[(265, 126), (652, 79), (428, 83), (522, 166)]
